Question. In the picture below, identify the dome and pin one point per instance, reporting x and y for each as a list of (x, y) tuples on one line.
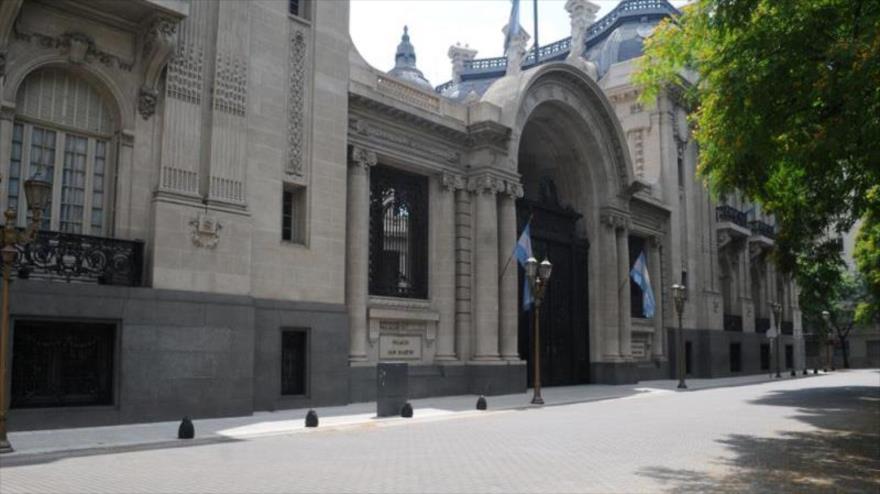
[(405, 63)]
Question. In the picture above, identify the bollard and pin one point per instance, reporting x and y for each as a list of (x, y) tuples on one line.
[(793, 373), (481, 403), (407, 411), (186, 429), (815, 370), (311, 419)]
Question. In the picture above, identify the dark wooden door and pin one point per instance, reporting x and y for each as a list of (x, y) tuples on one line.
[(564, 313)]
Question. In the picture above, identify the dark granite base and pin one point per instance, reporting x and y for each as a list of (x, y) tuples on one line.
[(614, 373)]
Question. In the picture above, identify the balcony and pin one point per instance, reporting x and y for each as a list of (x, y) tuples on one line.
[(732, 226), (762, 324), (733, 323), (760, 228), (81, 258)]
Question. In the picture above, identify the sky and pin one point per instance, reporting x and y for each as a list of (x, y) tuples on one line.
[(435, 25)]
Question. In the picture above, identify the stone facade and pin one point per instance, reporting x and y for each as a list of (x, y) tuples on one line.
[(243, 140)]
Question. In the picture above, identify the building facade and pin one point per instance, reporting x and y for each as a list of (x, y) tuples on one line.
[(248, 216)]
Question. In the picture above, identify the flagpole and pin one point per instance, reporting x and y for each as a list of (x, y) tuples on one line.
[(535, 5), (528, 222)]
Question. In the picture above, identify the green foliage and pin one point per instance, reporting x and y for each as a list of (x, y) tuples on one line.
[(786, 99), (867, 257)]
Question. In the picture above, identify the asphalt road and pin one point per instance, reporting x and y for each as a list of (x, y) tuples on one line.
[(816, 434)]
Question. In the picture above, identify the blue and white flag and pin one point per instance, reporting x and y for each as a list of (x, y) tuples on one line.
[(523, 252), (512, 25), (639, 274)]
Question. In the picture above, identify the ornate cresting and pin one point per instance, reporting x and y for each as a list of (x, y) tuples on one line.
[(159, 39)]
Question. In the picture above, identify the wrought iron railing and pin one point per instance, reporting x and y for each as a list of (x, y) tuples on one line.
[(731, 214), (787, 327), (760, 228), (762, 324), (71, 257), (733, 322)]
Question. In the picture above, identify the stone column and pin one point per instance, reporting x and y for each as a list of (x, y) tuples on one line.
[(444, 267), (357, 240), (463, 272), (508, 300), (623, 294), (6, 117), (486, 269), (610, 307), (656, 272)]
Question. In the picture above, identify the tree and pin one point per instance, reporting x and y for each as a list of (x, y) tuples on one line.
[(787, 111), (867, 257)]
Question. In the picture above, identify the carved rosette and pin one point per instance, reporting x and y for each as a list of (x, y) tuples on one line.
[(362, 159)]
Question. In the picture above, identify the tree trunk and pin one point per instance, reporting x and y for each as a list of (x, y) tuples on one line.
[(845, 349)]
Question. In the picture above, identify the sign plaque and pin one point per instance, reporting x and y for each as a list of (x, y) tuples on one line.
[(400, 347)]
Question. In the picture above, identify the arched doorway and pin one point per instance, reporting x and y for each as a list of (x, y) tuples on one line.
[(546, 160)]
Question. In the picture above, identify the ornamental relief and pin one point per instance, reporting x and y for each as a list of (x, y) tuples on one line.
[(230, 85), (296, 81), (184, 79), (80, 47)]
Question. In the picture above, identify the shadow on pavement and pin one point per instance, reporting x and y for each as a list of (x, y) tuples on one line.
[(842, 456)]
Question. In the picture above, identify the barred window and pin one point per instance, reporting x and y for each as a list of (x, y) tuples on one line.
[(294, 367), (398, 233), (298, 8)]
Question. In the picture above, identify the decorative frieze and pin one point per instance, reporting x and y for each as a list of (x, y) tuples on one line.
[(296, 81), (407, 94), (230, 85), (486, 184), (383, 136), (80, 46), (615, 219), (450, 182)]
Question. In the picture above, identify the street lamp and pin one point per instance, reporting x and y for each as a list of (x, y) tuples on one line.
[(678, 296), (538, 276), (37, 191), (777, 313), (826, 316)]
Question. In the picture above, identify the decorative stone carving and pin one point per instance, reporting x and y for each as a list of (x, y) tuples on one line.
[(485, 183), (206, 231), (516, 49), (147, 102), (296, 67), (79, 46), (449, 182), (362, 158), (159, 38), (383, 137), (614, 219), (682, 128), (459, 55), (230, 85), (582, 14), (92, 53), (513, 189), (184, 79)]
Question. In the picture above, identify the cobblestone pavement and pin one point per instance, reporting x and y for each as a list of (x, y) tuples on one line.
[(817, 434)]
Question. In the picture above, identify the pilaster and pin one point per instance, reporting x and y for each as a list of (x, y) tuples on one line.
[(357, 248), (485, 187), (444, 275), (508, 302)]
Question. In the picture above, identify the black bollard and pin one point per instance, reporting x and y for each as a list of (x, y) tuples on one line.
[(311, 419), (793, 373), (186, 429), (481, 403), (815, 370), (407, 411)]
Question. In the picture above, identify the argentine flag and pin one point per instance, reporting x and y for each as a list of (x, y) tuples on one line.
[(639, 274), (523, 253)]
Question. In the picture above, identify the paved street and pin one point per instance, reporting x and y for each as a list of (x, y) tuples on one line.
[(816, 434)]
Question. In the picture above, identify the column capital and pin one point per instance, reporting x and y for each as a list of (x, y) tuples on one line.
[(655, 241), (451, 181), (512, 189), (362, 158), (485, 183), (615, 219)]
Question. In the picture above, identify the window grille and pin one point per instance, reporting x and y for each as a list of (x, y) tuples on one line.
[(398, 233), (294, 6)]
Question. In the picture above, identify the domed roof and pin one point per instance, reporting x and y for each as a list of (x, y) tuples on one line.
[(405, 63), (625, 42)]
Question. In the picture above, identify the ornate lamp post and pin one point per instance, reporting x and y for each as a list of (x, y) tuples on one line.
[(777, 313), (37, 191), (538, 276), (829, 361), (679, 296)]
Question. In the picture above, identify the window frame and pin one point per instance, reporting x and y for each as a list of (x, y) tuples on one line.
[(62, 134), (298, 215)]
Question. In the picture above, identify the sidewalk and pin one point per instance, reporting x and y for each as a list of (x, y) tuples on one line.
[(164, 434)]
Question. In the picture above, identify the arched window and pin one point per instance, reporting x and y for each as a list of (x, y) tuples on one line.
[(62, 131)]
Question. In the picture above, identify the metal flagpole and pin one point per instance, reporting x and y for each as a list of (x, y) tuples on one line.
[(535, 5), (528, 222)]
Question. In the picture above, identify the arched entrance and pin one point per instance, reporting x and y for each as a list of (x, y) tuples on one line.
[(576, 175), (557, 233)]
